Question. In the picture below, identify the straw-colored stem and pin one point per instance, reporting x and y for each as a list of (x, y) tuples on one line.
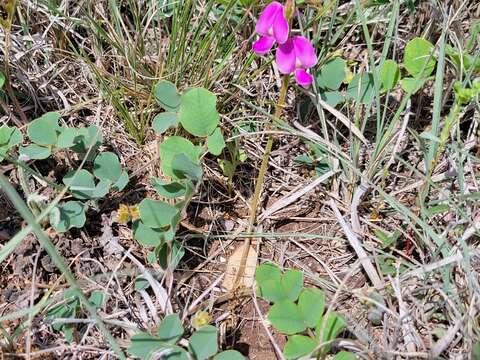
[(260, 180)]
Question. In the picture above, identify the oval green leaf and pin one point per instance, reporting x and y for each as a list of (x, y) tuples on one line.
[(167, 95), (164, 121), (267, 272), (145, 235), (418, 57), (389, 75), (44, 130), (107, 167), (35, 152), (173, 146), (71, 214), (215, 142), (82, 186), (203, 342), (298, 346), (170, 329), (229, 355), (311, 305), (361, 88), (198, 112), (286, 318), (332, 74), (345, 355), (156, 214)]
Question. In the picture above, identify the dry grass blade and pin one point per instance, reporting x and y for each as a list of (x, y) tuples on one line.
[(357, 246)]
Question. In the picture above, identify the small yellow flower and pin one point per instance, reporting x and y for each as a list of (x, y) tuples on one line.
[(123, 216), (134, 212), (200, 319)]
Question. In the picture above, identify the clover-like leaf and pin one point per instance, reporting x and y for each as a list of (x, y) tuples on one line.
[(81, 183), (332, 98), (288, 287), (107, 167), (267, 272), (121, 182), (345, 355), (361, 88), (389, 75), (173, 146), (10, 136), (412, 85), (170, 190), (86, 138), (164, 121), (156, 214), (70, 214), (66, 138), (286, 317), (203, 342), (215, 142), (44, 130), (2, 80), (184, 168), (229, 355), (35, 152), (311, 304), (170, 330), (101, 189), (298, 346), (167, 95), (418, 57), (332, 74), (143, 345), (198, 112), (145, 235)]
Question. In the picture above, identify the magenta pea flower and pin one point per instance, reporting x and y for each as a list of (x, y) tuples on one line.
[(297, 55), (272, 26)]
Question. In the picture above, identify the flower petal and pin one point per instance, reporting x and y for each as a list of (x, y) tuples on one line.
[(267, 17), (304, 51), (303, 78), (280, 27), (285, 57), (263, 45)]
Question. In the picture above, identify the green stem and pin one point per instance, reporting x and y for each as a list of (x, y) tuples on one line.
[(58, 260), (260, 180), (450, 120)]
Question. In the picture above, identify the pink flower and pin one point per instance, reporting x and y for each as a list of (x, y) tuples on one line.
[(297, 55), (272, 26)]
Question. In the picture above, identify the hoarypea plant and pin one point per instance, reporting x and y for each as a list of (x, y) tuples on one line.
[(294, 54), (299, 313), (155, 222), (47, 137), (168, 342)]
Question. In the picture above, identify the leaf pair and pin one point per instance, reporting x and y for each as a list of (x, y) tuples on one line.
[(195, 110), (203, 343)]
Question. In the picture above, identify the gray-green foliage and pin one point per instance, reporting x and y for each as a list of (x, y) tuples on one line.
[(329, 79), (46, 137), (296, 309), (195, 111), (202, 343)]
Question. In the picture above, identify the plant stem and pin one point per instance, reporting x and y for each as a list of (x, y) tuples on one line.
[(260, 180)]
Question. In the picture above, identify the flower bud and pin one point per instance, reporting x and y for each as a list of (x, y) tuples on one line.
[(289, 9)]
